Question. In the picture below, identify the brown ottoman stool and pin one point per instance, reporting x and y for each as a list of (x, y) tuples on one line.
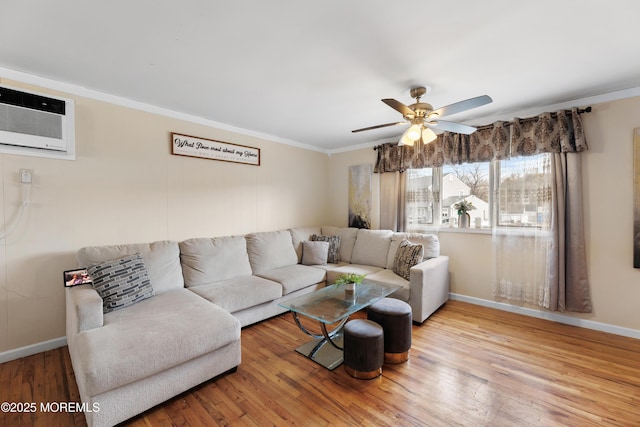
[(395, 318), (363, 349)]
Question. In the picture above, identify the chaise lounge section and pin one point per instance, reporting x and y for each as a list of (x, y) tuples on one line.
[(129, 360)]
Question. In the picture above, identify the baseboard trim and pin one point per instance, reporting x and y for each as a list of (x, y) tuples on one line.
[(555, 317), (32, 349)]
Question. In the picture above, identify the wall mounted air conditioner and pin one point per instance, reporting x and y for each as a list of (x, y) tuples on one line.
[(35, 124)]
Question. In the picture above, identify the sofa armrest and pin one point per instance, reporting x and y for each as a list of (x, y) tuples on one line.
[(84, 309), (429, 283)]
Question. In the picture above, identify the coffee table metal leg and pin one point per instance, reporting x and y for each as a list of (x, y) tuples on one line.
[(329, 335), (325, 349)]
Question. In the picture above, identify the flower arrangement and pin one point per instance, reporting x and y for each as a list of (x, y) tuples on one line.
[(463, 206), (349, 278)]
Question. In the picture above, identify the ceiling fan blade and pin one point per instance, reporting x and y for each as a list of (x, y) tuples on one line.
[(399, 106), (451, 127), (461, 106), (380, 126)]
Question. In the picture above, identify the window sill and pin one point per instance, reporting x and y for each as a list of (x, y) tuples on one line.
[(500, 231), (463, 230), (446, 229)]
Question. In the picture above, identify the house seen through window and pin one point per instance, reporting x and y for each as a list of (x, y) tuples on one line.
[(521, 186)]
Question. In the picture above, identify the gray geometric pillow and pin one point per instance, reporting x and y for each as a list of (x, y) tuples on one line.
[(121, 282), (408, 255), (334, 246)]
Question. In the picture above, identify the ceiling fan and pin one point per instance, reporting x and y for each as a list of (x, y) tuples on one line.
[(423, 117)]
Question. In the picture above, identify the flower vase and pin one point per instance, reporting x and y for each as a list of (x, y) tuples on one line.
[(350, 293), (350, 289), (464, 220)]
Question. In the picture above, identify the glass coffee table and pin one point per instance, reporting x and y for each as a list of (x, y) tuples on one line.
[(331, 307)]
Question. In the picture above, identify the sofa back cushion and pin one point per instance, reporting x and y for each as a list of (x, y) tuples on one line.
[(429, 242), (372, 247), (347, 239), (270, 250), (206, 260), (162, 260)]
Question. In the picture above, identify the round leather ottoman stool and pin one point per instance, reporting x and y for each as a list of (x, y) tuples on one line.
[(363, 349), (395, 318)]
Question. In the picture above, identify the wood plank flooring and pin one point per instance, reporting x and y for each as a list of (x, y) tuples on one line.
[(469, 366)]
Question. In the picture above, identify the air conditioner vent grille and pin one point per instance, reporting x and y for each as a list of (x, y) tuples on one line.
[(31, 101), (31, 122)]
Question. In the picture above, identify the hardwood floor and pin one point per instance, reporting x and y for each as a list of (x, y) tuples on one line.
[(469, 366)]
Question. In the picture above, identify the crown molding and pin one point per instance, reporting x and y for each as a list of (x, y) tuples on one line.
[(72, 89)]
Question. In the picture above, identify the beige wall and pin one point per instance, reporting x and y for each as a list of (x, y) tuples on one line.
[(126, 187), (608, 187)]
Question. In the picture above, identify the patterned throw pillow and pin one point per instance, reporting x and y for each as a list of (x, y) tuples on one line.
[(408, 255), (334, 246), (121, 282)]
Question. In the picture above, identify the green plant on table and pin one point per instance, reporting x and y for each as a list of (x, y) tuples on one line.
[(349, 278)]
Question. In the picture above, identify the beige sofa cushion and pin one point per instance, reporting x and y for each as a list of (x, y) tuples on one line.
[(240, 293), (206, 260), (269, 250), (347, 239), (335, 270), (429, 242), (151, 337), (388, 277), (162, 260), (372, 247), (294, 277)]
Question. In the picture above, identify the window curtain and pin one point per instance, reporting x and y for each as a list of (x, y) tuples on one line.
[(546, 133), (548, 268), (521, 251), (567, 287), (393, 201)]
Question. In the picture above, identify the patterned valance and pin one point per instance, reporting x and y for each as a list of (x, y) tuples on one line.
[(546, 133)]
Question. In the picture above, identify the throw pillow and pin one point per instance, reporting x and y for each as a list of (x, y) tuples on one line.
[(334, 246), (408, 255), (314, 253), (121, 282)]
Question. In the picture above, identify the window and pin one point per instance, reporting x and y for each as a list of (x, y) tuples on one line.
[(470, 182), (516, 190), (523, 191), (419, 198)]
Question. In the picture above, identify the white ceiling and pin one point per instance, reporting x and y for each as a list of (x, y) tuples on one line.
[(308, 72)]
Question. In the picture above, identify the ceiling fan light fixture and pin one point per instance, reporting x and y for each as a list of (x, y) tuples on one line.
[(428, 135), (413, 133), (421, 115), (405, 141)]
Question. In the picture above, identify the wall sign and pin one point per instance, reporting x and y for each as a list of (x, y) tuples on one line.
[(191, 146)]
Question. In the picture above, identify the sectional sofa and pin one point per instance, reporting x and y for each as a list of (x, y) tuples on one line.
[(204, 290)]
